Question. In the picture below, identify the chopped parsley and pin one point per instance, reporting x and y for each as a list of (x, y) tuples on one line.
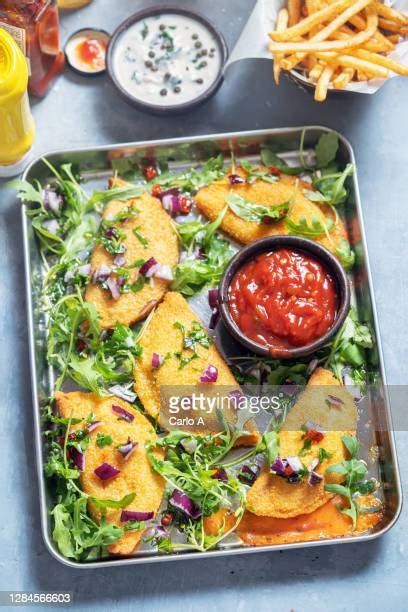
[(103, 440)]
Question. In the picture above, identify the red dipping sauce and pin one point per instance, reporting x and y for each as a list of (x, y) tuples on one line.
[(283, 299)]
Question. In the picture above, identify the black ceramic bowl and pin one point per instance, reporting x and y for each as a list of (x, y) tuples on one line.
[(313, 249), (172, 109), (102, 34)]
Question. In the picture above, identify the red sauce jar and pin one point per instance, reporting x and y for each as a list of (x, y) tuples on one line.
[(34, 25), (283, 299)]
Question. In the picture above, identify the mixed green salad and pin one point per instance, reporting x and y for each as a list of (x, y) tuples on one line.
[(67, 224)]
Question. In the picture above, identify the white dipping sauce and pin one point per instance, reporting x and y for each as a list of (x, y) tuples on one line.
[(166, 59)]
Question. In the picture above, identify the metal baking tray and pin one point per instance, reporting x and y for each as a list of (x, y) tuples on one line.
[(94, 165)]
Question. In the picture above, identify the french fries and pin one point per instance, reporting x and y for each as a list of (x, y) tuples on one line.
[(336, 42)]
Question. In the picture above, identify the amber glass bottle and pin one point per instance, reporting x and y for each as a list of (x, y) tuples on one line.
[(34, 25)]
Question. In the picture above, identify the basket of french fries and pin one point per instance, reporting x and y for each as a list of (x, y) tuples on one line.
[(339, 45)]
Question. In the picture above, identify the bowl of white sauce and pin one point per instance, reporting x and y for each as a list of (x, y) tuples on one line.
[(166, 59)]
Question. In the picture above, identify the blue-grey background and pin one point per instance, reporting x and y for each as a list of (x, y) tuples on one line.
[(80, 111)]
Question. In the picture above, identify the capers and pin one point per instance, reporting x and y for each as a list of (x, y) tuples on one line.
[(163, 92), (199, 81), (162, 27), (177, 89), (195, 37), (167, 76), (148, 63), (151, 54), (198, 44)]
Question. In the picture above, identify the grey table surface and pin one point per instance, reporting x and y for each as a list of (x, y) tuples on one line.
[(83, 112)]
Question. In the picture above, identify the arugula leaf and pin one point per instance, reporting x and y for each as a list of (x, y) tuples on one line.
[(351, 443), (194, 475), (348, 346), (116, 193), (331, 187), (258, 213), (315, 228), (254, 173), (324, 454), (270, 445), (194, 179), (326, 149), (353, 471), (27, 192), (280, 373), (62, 531), (269, 158), (345, 254), (194, 273), (102, 504)]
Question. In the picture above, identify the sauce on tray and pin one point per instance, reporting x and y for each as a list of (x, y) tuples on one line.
[(283, 299), (167, 59)]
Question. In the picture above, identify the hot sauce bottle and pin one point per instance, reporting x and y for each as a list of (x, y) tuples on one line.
[(34, 26)]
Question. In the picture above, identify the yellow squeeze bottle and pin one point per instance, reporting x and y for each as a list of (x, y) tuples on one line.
[(16, 122)]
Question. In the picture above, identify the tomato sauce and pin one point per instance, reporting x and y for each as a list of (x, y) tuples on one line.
[(283, 299), (92, 53)]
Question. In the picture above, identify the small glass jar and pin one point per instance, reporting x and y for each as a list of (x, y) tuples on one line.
[(34, 26)]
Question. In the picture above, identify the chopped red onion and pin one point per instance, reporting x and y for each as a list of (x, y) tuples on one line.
[(213, 298), (160, 532), (312, 366), (312, 426), (210, 375), (52, 200), (94, 425), (68, 276), (78, 458), (127, 449), (279, 466), (52, 226), (171, 204), (295, 463), (130, 515), (122, 413), (248, 475), (119, 260), (182, 502), (147, 266), (163, 271), (113, 288), (101, 273), (313, 464), (314, 478), (84, 270), (215, 315), (235, 179), (220, 474), (199, 253), (174, 191), (123, 393), (267, 220), (157, 361), (332, 400), (189, 445), (106, 471)]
